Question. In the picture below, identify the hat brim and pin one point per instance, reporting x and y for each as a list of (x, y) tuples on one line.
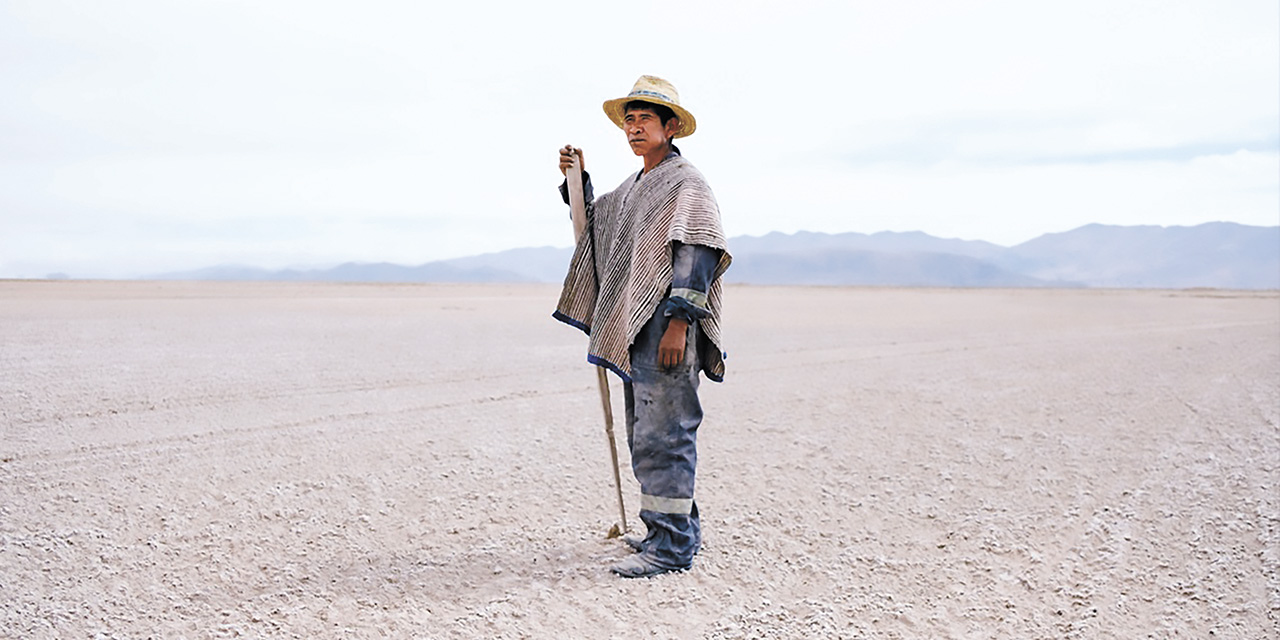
[(613, 109)]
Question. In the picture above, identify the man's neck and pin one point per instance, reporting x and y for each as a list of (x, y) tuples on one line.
[(655, 157)]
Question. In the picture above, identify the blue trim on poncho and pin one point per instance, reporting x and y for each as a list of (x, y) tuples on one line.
[(596, 360)]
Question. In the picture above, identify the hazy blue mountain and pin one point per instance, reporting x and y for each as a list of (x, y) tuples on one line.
[(853, 267), (884, 241), (1216, 254), (228, 272), (539, 264), (355, 272)]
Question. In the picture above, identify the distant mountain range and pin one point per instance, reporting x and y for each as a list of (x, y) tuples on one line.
[(1222, 255)]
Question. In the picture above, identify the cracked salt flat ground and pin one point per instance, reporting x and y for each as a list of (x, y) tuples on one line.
[(221, 460)]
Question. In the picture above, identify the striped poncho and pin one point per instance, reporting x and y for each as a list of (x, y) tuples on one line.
[(621, 268)]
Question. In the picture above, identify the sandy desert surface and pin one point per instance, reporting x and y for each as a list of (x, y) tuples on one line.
[(184, 460)]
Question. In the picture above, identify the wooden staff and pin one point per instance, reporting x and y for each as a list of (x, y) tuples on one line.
[(578, 205)]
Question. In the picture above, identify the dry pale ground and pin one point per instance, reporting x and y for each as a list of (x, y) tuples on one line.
[(331, 461)]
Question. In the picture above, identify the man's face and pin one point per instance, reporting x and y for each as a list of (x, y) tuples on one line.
[(645, 132)]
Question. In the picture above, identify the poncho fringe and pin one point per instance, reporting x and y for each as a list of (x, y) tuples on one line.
[(628, 242)]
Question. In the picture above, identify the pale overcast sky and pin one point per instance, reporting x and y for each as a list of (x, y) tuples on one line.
[(145, 136)]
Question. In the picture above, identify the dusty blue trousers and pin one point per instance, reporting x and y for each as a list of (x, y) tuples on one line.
[(663, 414)]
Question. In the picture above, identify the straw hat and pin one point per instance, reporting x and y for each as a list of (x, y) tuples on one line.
[(658, 91)]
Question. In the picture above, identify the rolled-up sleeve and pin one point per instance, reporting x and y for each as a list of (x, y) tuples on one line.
[(692, 269)]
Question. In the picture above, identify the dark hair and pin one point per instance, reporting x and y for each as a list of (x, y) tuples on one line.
[(664, 112)]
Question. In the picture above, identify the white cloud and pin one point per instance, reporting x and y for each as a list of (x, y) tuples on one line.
[(144, 136), (1011, 204)]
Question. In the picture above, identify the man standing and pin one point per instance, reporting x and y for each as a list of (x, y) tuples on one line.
[(644, 284)]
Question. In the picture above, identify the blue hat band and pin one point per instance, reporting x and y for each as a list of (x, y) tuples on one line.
[(651, 94)]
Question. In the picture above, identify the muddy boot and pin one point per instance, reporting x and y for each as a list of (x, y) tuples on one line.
[(643, 565), (636, 543)]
